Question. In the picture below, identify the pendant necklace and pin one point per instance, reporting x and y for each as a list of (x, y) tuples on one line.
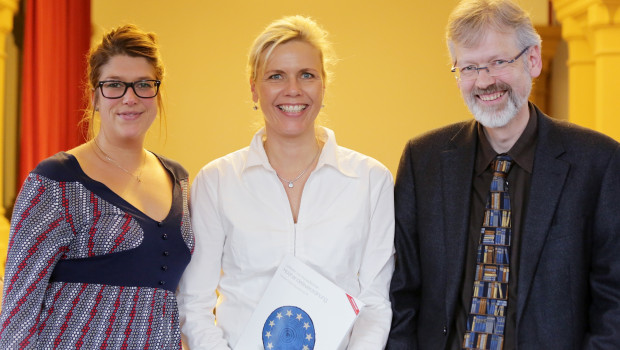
[(291, 182), (115, 163)]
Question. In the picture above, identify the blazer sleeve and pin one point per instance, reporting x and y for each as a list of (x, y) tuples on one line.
[(604, 310), (405, 286), (40, 235)]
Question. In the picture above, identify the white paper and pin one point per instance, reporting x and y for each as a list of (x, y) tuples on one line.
[(312, 309)]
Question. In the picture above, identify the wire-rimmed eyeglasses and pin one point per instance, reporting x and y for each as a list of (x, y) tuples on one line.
[(117, 88), (493, 68)]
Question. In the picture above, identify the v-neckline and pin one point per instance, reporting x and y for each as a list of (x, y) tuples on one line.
[(114, 198)]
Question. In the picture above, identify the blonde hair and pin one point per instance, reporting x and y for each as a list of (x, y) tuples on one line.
[(287, 29), (471, 19), (126, 40)]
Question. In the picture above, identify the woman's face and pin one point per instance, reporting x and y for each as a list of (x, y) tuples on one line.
[(289, 89), (127, 118)]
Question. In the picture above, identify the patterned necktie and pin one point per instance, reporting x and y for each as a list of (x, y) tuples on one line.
[(487, 316)]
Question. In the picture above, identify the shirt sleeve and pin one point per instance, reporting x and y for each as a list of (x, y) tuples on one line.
[(197, 296), (40, 234), (372, 326)]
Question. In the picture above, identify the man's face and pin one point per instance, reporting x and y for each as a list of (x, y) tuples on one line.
[(496, 100)]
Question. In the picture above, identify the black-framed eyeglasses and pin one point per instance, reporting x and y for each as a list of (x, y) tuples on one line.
[(494, 68), (117, 88)]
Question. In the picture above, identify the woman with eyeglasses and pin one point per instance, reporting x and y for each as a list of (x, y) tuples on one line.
[(293, 191), (100, 234)]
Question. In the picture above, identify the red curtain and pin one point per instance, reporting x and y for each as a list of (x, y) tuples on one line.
[(56, 41)]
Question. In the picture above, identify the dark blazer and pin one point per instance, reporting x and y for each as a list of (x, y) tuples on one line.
[(569, 270)]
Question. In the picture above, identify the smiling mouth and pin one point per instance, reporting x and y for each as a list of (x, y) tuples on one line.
[(292, 108), (129, 114), (491, 97)]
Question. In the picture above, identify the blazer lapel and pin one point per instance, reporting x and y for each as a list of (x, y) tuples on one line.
[(548, 177), (457, 167)]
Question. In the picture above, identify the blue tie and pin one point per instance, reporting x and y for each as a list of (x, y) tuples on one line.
[(487, 316)]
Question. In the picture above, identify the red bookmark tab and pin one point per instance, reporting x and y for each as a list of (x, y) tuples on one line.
[(353, 304)]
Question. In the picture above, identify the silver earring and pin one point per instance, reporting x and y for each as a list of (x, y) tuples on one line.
[(255, 108)]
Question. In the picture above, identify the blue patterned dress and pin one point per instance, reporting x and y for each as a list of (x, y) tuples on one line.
[(87, 270)]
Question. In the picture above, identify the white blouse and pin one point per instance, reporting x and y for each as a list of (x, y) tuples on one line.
[(244, 227)]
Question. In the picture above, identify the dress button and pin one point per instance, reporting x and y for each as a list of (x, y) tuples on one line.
[(445, 330), (164, 236), (161, 283), (166, 253), (164, 267)]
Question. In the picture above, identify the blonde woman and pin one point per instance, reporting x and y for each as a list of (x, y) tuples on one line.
[(292, 191)]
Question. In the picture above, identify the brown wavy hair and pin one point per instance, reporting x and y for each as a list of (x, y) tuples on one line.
[(128, 40)]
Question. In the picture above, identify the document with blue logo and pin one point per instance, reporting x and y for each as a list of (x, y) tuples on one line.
[(300, 310)]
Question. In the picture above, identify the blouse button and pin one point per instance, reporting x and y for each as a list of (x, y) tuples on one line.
[(166, 253), (164, 267), (161, 283), (160, 224), (164, 236)]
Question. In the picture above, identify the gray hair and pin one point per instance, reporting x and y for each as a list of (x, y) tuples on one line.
[(471, 19)]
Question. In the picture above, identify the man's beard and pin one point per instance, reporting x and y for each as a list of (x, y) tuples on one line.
[(496, 116)]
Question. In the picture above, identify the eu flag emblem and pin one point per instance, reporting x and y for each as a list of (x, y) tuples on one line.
[(288, 328)]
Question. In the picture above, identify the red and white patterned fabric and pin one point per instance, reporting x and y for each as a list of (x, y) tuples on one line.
[(61, 215)]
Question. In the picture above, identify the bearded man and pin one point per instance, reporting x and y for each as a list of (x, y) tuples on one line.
[(508, 225)]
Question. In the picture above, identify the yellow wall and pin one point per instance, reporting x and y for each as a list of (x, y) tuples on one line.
[(392, 82)]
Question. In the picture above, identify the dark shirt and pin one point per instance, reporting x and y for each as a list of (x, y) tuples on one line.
[(518, 185)]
